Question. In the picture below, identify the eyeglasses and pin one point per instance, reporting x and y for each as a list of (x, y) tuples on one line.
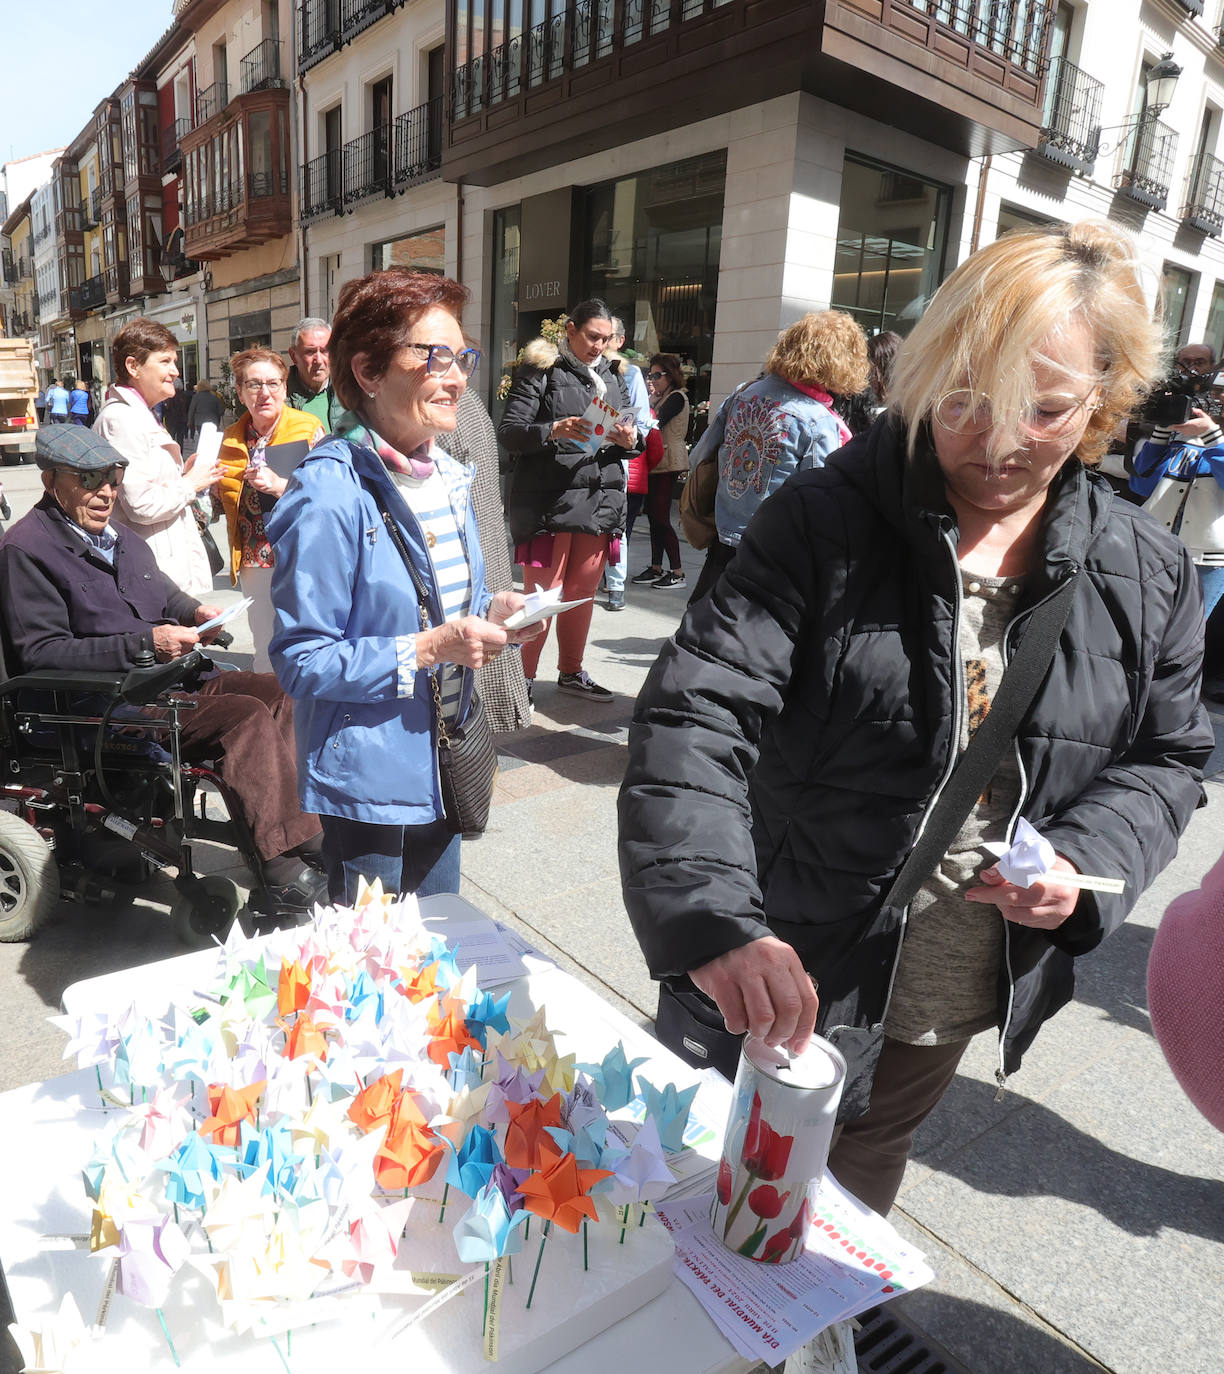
[(440, 358), (1048, 417), (270, 387), (656, 376), (94, 478)]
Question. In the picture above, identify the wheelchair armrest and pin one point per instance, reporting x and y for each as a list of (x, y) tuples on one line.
[(143, 685), (64, 680)]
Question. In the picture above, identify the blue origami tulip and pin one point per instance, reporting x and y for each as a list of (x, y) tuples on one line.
[(465, 1070), (193, 1162), (470, 1167), (488, 1229), (670, 1110), (613, 1077)]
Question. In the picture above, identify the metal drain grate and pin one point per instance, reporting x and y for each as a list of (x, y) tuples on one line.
[(885, 1345)]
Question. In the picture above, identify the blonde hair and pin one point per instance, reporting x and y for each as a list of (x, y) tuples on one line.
[(988, 323), (825, 348)]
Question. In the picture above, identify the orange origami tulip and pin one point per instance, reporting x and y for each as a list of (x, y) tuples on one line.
[(230, 1107), (411, 1152), (304, 1037), (422, 984), (292, 988), (451, 1036), (372, 1105), (559, 1192), (528, 1144)]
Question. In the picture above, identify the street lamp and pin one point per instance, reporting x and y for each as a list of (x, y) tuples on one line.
[(1160, 85)]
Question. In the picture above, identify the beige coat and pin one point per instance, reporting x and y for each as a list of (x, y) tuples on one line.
[(675, 450), (155, 499)]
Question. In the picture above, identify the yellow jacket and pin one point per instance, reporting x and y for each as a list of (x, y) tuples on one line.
[(234, 458)]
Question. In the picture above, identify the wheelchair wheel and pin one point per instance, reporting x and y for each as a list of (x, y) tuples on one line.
[(29, 879), (211, 913)]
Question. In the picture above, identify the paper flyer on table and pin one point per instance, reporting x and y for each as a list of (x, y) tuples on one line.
[(853, 1261), (228, 614)]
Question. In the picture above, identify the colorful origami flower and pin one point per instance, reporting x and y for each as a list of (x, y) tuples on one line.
[(670, 1109), (230, 1107), (304, 1037), (489, 1228), (411, 1152), (559, 1191), (528, 1144), (471, 1166), (613, 1076), (372, 1105), (292, 988), (150, 1254)]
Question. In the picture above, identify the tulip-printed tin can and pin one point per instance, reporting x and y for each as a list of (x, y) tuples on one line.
[(776, 1147)]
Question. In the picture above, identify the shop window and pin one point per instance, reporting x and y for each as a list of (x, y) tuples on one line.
[(891, 237), (424, 251)]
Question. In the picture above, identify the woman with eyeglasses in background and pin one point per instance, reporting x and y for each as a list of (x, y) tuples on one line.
[(367, 672), (250, 485), (803, 723)]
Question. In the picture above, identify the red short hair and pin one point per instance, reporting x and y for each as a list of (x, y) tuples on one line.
[(376, 316), (137, 339)]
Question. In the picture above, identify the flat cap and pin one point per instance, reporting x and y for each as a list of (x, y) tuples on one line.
[(75, 447)]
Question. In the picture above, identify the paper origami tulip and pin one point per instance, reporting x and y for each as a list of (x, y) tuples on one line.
[(670, 1109), (507, 1180), (488, 1229), (192, 1169), (640, 1173), (528, 1144), (150, 1254), (303, 1038), (487, 1012), (372, 1105), (471, 1166), (411, 1152), (512, 1085), (559, 1191), (229, 1107), (292, 988), (53, 1344), (463, 1070), (374, 1237), (613, 1077), (581, 1107), (450, 1036)]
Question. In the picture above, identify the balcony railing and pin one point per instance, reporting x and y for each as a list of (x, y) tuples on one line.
[(9, 267), (90, 294), (1071, 132), (1204, 207), (326, 25), (1146, 162), (358, 15), (1191, 6), (418, 144), (367, 165), (172, 137), (322, 186), (211, 101), (1012, 29), (261, 67), (230, 198), (116, 282)]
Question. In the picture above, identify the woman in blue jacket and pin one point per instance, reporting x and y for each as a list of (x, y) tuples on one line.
[(350, 647)]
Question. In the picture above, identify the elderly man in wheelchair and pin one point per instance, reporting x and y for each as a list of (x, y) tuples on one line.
[(111, 719)]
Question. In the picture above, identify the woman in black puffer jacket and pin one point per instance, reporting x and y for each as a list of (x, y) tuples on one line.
[(797, 730), (566, 499)]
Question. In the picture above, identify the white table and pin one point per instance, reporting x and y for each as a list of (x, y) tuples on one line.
[(43, 1127)]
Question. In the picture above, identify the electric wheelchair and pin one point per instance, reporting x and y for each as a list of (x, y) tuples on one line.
[(95, 797)]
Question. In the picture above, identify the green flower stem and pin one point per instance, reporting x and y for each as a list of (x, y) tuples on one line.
[(739, 1201)]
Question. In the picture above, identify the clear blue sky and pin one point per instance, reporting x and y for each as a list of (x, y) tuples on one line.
[(57, 62)]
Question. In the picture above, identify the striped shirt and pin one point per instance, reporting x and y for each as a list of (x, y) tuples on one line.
[(428, 501)]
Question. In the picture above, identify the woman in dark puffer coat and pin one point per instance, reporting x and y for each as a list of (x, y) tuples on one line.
[(566, 500), (800, 725)]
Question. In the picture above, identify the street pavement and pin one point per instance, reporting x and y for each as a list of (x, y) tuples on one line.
[(1077, 1225)]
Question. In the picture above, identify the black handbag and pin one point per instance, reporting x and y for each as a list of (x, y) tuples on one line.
[(467, 756), (690, 1024)]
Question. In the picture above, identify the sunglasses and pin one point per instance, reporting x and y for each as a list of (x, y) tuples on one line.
[(94, 478), (657, 376)]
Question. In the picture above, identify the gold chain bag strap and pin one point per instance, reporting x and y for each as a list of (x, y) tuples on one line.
[(467, 758)]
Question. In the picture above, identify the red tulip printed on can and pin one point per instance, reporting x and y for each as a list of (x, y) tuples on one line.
[(776, 1148)]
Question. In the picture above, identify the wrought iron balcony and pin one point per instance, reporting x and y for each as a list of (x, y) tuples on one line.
[(1204, 207), (418, 144), (1146, 162), (116, 283), (1191, 6), (326, 25), (261, 67), (25, 268), (211, 101), (357, 15), (1071, 133), (172, 137), (9, 267), (90, 294), (367, 166), (322, 186)]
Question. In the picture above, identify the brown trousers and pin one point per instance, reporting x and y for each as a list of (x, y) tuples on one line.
[(869, 1154), (244, 723)]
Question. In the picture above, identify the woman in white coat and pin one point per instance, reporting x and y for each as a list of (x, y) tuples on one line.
[(157, 496)]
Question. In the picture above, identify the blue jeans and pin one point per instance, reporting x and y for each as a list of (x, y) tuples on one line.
[(1211, 579), (614, 573), (408, 858)]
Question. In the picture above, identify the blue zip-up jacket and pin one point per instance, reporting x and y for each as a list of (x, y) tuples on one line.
[(773, 430), (346, 627)]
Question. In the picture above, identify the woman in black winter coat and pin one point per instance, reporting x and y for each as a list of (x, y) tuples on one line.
[(798, 729), (567, 493)]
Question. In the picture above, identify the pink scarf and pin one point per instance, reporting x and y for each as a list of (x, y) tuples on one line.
[(419, 463)]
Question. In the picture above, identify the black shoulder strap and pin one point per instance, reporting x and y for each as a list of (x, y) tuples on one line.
[(992, 738)]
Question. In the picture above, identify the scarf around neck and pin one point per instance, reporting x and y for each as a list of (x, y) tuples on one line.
[(818, 393), (583, 370), (418, 464)]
